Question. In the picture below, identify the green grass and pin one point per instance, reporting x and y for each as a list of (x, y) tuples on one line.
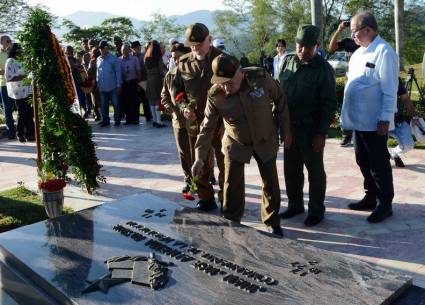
[(19, 207)]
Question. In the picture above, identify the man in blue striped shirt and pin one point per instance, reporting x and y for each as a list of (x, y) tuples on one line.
[(370, 101), (109, 80)]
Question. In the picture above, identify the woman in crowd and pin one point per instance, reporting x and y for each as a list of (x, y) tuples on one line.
[(19, 91), (91, 72), (153, 63)]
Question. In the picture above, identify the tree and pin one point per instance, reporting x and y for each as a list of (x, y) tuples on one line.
[(76, 34), (399, 29), (232, 25), (414, 30), (119, 26), (254, 25), (12, 14), (161, 28)]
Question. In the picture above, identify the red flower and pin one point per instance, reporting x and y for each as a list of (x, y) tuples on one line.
[(188, 196), (161, 107), (52, 185), (180, 97)]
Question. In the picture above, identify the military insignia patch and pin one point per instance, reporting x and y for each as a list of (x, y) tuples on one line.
[(257, 93)]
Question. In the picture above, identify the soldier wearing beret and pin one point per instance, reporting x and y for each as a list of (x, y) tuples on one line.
[(168, 99), (309, 84), (194, 78), (242, 98)]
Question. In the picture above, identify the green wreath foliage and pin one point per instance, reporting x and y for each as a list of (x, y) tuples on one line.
[(66, 138)]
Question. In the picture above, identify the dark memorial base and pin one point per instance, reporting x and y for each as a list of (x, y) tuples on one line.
[(209, 261)]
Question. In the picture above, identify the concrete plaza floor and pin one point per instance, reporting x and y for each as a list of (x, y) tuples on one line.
[(141, 158)]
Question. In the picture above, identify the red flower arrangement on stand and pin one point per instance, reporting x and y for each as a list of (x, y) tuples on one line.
[(52, 185)]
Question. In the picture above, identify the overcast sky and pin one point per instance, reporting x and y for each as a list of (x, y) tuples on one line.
[(141, 9)]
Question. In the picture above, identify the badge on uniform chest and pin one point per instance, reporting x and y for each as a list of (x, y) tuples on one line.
[(257, 93)]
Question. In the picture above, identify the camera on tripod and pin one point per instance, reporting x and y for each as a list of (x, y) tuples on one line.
[(410, 80)]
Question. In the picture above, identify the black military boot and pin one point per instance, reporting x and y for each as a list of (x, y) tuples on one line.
[(368, 203), (289, 213), (398, 162), (380, 213), (206, 205), (276, 230), (186, 188)]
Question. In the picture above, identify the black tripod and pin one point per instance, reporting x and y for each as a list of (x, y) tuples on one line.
[(410, 79)]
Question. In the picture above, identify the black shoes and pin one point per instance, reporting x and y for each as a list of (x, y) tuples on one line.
[(368, 203), (346, 141), (186, 188), (104, 124), (312, 220), (398, 162), (22, 139), (380, 214), (206, 205), (289, 213), (158, 125), (276, 230), (117, 123)]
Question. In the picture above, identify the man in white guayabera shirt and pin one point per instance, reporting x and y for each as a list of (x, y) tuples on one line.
[(370, 100)]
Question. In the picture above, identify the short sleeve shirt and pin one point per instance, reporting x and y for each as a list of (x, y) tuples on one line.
[(16, 90)]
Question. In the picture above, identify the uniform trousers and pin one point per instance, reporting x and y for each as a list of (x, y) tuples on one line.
[(205, 189), (219, 157), (234, 190), (183, 149), (299, 154)]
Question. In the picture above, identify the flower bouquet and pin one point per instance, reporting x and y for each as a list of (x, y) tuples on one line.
[(52, 185), (182, 102), (193, 189)]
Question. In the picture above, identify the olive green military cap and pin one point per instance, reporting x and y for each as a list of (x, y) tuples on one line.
[(195, 34), (224, 68), (307, 35)]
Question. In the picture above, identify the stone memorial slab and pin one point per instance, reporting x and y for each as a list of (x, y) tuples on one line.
[(206, 260)]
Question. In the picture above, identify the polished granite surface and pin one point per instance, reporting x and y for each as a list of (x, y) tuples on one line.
[(69, 250)]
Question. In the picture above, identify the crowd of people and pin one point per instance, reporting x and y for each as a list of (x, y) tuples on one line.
[(221, 112)]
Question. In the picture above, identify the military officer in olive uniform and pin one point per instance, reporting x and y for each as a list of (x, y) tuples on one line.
[(194, 78), (309, 84), (242, 97), (168, 99)]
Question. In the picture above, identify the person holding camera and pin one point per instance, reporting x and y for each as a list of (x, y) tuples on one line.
[(348, 46)]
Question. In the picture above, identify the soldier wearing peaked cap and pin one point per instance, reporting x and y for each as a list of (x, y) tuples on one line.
[(309, 84), (242, 98), (194, 78)]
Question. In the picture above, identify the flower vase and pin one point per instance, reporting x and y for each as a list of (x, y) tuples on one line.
[(53, 202)]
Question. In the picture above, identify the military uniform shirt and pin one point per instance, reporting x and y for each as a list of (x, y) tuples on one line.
[(310, 92), (248, 121)]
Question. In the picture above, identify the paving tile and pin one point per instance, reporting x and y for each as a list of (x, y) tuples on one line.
[(141, 159)]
